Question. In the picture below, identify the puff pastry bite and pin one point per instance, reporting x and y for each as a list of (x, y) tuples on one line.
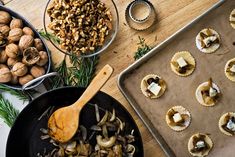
[(153, 86), (208, 40), (208, 93)]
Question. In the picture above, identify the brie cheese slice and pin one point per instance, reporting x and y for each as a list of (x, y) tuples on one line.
[(154, 88), (208, 40), (230, 125), (200, 144), (182, 63), (233, 68), (177, 118), (212, 92)]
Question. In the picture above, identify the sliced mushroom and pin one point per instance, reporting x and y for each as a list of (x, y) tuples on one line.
[(107, 143)]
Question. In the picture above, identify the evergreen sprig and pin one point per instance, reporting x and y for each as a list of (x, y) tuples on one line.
[(7, 111), (142, 49)]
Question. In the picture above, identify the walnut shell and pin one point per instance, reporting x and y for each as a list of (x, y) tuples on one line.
[(19, 69), (14, 79), (37, 71), (3, 66), (3, 57), (25, 42), (30, 56), (4, 29), (28, 31), (12, 50), (43, 58), (16, 23), (11, 62), (38, 44), (25, 79), (15, 35), (5, 75), (5, 17)]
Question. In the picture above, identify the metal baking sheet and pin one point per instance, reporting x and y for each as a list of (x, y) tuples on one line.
[(181, 90)]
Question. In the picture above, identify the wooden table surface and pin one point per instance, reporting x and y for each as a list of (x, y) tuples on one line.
[(172, 15)]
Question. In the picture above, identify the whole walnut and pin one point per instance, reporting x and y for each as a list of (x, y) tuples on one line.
[(28, 31), (5, 17), (19, 69), (37, 71), (38, 44), (5, 75), (25, 42), (11, 62), (4, 29), (14, 79), (16, 23), (12, 50), (25, 79), (3, 56), (15, 35), (43, 58)]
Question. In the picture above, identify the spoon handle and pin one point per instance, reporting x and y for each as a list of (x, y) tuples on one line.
[(98, 81)]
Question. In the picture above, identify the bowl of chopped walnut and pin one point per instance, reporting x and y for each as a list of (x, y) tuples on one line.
[(83, 28)]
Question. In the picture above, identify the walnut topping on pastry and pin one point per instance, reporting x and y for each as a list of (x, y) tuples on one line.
[(153, 86), (199, 145)]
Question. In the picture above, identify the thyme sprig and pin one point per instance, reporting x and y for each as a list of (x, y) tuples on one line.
[(19, 94), (49, 36), (7, 111), (142, 49)]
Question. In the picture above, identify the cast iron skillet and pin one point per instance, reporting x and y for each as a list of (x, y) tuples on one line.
[(24, 137)]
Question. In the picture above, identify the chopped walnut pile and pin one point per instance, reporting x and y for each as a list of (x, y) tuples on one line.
[(80, 25)]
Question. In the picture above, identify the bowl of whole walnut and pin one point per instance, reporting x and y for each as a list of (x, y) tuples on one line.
[(83, 28), (23, 54)]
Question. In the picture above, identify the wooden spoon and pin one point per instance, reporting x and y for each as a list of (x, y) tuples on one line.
[(64, 122)]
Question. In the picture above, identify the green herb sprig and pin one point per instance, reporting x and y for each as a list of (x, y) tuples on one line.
[(49, 36), (142, 49), (7, 111), (84, 73), (19, 94)]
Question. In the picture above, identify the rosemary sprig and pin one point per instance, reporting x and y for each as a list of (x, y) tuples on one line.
[(7, 111), (83, 75), (49, 36), (19, 94), (143, 48)]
